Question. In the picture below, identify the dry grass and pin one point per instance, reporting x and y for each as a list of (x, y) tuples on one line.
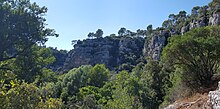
[(197, 101)]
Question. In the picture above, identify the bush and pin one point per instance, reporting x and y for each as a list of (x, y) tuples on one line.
[(197, 54)]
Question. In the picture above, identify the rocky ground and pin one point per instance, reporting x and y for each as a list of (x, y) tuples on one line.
[(198, 101), (209, 100)]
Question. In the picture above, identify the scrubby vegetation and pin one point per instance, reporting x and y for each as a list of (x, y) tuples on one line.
[(29, 75)]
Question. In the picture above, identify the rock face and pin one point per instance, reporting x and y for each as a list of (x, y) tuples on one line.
[(153, 47), (184, 29), (130, 49), (91, 52), (214, 98), (127, 49), (198, 23), (215, 19), (109, 51)]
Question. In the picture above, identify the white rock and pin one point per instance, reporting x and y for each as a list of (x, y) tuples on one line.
[(214, 98)]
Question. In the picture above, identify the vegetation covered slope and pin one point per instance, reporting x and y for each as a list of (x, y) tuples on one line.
[(145, 69)]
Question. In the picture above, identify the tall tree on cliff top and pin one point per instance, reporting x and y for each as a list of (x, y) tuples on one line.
[(122, 31), (99, 33), (91, 35)]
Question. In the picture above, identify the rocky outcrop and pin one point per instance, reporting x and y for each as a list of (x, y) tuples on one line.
[(201, 22), (109, 51), (156, 42), (153, 46), (184, 29), (128, 48), (214, 98), (91, 52), (215, 19)]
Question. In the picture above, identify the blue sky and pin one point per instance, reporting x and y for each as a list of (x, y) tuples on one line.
[(74, 19)]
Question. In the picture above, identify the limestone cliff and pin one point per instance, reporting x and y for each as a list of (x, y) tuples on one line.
[(180, 24), (93, 51), (109, 51), (127, 48)]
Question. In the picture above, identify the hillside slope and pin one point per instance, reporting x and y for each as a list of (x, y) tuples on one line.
[(125, 50)]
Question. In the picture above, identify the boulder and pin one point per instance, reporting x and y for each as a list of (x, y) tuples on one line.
[(214, 98)]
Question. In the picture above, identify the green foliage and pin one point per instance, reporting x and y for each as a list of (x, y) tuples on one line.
[(99, 33), (196, 54), (32, 62), (22, 95), (91, 35), (22, 25), (23, 32), (149, 29), (125, 66), (154, 82), (122, 31), (19, 96), (121, 100), (143, 32), (51, 103), (106, 93), (98, 75), (215, 5), (94, 95), (22, 29), (123, 94), (89, 102), (88, 97), (73, 80), (179, 90), (175, 22), (60, 56), (89, 90), (47, 76), (79, 83), (128, 59)]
